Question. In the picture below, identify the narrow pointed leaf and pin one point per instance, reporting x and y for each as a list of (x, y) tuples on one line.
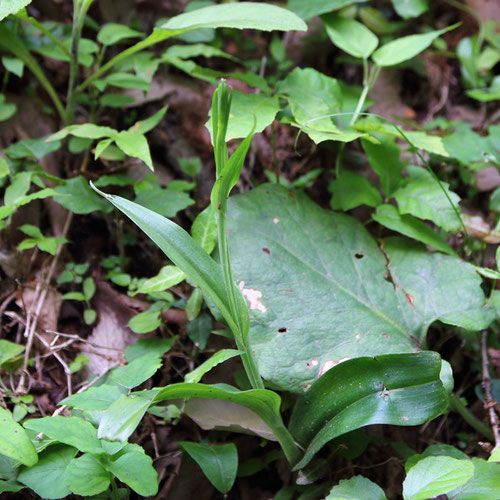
[(183, 251), (218, 358), (405, 48), (397, 389)]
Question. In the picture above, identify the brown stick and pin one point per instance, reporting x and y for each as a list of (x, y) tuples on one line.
[(489, 404)]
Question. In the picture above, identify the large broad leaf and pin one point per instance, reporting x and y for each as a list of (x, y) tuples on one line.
[(317, 290), (8, 7), (410, 8), (14, 442), (243, 15), (312, 8), (266, 404), (219, 463), (398, 389), (185, 253)]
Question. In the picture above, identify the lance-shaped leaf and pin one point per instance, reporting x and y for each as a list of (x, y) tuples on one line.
[(405, 48), (397, 389), (266, 404), (184, 252)]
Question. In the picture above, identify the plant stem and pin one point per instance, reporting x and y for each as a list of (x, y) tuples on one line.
[(239, 335), (155, 37), (464, 412), (47, 33), (80, 10)]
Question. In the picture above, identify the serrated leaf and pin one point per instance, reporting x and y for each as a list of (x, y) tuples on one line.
[(435, 476), (46, 478), (406, 47), (350, 35), (218, 462), (243, 15), (356, 488), (72, 431), (285, 250), (14, 442), (86, 476)]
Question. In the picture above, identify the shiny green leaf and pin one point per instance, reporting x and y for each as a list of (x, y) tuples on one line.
[(14, 442)]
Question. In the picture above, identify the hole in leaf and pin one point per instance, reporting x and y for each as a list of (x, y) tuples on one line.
[(282, 330), (359, 255), (266, 251)]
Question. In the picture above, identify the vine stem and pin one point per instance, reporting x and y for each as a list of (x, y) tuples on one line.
[(79, 11)]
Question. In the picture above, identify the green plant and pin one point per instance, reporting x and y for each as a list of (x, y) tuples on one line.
[(329, 318)]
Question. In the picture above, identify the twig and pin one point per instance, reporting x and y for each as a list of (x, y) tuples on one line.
[(32, 319), (63, 363), (489, 404)]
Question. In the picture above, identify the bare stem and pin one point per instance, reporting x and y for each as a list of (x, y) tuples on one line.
[(489, 404)]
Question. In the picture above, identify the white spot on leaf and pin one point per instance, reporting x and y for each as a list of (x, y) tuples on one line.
[(330, 364), (253, 296), (276, 220), (314, 362)]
